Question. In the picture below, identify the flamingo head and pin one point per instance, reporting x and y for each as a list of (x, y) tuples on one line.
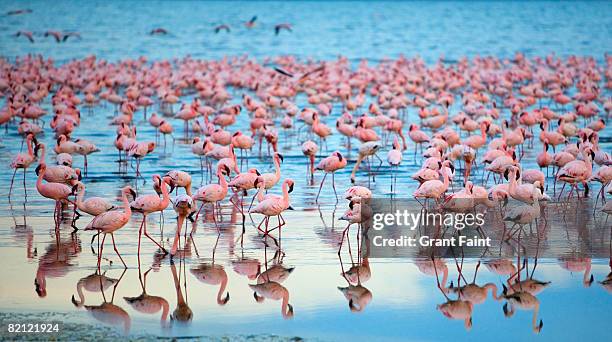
[(129, 191), (258, 180), (290, 183), (279, 157), (40, 168), (40, 288), (339, 155)]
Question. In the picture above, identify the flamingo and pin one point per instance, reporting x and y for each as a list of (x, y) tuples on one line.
[(366, 150), (213, 193), (331, 164), (310, 149), (434, 188), (274, 206), (93, 205), (394, 158), (23, 161), (183, 206), (111, 221), (148, 204), (55, 191)]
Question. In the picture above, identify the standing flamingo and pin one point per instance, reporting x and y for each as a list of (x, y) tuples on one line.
[(23, 161), (213, 193), (111, 221), (310, 149), (55, 191), (331, 164), (147, 204)]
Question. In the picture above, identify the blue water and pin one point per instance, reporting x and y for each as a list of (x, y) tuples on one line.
[(324, 30)]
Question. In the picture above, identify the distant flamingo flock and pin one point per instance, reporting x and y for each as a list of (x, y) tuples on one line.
[(467, 124)]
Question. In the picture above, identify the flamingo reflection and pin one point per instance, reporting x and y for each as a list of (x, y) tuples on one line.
[(213, 274), (525, 301), (182, 313), (472, 292), (274, 291), (109, 313), (146, 303), (55, 263), (247, 267), (578, 264), (93, 283), (453, 309)]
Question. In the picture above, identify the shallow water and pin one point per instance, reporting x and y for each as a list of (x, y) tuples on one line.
[(404, 299)]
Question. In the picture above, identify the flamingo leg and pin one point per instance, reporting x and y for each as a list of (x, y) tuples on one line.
[(155, 242), (25, 191), (101, 250), (117, 251), (140, 236), (344, 232), (320, 187), (12, 180)]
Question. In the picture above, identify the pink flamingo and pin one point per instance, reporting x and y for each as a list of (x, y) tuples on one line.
[(394, 158), (577, 171), (111, 221), (56, 191), (310, 149), (183, 206), (434, 188), (147, 204), (274, 206), (331, 164), (23, 161), (213, 193)]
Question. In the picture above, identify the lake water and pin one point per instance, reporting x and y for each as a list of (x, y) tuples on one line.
[(403, 292)]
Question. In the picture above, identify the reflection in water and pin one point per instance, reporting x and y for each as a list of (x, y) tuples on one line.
[(275, 291), (182, 313), (109, 313), (146, 303), (93, 283), (55, 263)]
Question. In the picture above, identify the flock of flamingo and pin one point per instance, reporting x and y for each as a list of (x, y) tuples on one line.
[(468, 123)]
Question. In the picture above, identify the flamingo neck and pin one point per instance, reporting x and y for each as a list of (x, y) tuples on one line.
[(222, 180), (42, 154), (165, 197), (445, 175), (286, 194), (30, 150), (165, 310), (80, 293), (587, 272), (493, 288), (221, 290), (126, 205), (285, 304), (534, 318), (79, 199), (39, 182)]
